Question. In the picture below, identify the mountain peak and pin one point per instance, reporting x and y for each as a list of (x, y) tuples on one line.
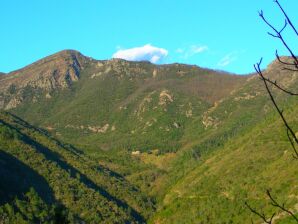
[(67, 53), (64, 55), (57, 71)]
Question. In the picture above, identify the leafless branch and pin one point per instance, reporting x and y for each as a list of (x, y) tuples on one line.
[(293, 66), (283, 62), (280, 206), (290, 133), (278, 34), (295, 155), (290, 69), (279, 87), (280, 112), (261, 215), (287, 18)]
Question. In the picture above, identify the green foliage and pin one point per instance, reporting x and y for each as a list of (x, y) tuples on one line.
[(32, 209), (244, 167), (87, 189), (7, 133)]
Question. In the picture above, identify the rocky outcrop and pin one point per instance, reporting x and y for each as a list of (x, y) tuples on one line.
[(55, 72), (94, 129), (165, 97), (13, 103), (208, 120), (285, 75)]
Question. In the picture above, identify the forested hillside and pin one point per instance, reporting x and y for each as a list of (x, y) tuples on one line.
[(40, 175)]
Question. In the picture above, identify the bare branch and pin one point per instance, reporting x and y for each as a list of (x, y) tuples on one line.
[(261, 215), (294, 64), (295, 155), (259, 71), (287, 18), (283, 62), (290, 133), (278, 34), (273, 35), (290, 69), (284, 27), (282, 207), (279, 87)]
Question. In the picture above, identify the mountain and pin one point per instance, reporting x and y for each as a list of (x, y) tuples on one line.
[(154, 143), (114, 101), (51, 73)]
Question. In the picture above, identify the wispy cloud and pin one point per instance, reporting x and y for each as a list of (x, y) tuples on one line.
[(198, 49), (144, 53), (228, 59), (191, 50)]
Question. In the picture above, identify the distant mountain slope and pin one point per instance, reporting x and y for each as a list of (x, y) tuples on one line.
[(135, 105), (242, 170), (243, 152)]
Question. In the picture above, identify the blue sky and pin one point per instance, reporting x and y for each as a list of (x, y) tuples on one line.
[(226, 35)]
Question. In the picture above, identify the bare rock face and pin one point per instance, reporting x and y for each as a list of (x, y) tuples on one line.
[(165, 97), (286, 75), (278, 70), (57, 71), (13, 103)]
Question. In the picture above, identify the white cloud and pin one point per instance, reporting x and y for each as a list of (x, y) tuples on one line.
[(191, 50), (227, 59), (145, 53), (198, 49)]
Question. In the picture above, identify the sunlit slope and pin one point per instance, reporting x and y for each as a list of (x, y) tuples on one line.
[(215, 191)]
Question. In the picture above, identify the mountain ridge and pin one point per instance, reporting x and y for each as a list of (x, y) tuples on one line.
[(114, 89)]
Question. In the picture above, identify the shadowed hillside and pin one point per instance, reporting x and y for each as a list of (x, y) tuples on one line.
[(17, 179), (60, 171)]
